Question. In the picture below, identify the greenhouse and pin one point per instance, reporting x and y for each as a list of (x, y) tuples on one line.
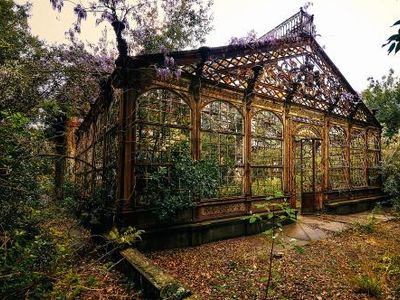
[(276, 116)]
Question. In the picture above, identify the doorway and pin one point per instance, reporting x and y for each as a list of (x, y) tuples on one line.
[(308, 173)]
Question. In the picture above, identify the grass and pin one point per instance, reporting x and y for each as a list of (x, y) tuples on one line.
[(368, 285)]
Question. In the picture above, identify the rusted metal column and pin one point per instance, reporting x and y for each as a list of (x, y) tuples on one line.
[(248, 100), (325, 159), (196, 103), (366, 156), (247, 150), (288, 156), (128, 112), (348, 151)]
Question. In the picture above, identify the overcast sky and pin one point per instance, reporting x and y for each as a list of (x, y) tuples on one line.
[(352, 31)]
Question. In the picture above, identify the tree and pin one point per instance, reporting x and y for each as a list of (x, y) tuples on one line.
[(14, 31), (151, 25), (384, 97), (20, 58), (393, 41)]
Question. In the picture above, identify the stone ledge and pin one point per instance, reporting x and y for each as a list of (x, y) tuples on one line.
[(355, 201), (155, 283)]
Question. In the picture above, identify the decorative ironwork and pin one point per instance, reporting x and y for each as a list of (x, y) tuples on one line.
[(300, 23)]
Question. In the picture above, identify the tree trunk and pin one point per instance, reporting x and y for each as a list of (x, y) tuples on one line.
[(59, 140), (70, 129)]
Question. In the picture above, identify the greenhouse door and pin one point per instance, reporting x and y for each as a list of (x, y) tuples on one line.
[(307, 173)]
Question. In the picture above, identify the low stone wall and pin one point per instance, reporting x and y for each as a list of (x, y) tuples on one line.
[(154, 282)]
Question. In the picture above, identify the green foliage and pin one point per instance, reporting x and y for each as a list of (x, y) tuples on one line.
[(20, 189), (369, 285), (26, 264), (369, 226), (14, 30), (391, 266), (393, 41), (95, 212), (391, 172), (126, 237), (384, 96), (177, 187)]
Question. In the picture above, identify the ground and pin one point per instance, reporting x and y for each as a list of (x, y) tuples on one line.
[(87, 270), (354, 260)]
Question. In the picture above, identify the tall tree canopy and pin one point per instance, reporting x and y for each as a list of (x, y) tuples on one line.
[(150, 25), (384, 97)]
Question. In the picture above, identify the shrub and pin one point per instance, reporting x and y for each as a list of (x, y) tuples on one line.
[(95, 212), (391, 172), (179, 186)]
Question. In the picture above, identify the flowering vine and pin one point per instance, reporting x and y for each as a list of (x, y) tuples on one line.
[(169, 71)]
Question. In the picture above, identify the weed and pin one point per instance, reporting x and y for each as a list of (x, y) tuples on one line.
[(274, 232), (369, 226), (369, 285)]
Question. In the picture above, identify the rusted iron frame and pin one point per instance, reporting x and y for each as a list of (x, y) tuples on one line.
[(307, 107), (289, 25)]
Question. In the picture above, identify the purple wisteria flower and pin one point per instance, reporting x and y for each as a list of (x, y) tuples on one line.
[(81, 12), (57, 4)]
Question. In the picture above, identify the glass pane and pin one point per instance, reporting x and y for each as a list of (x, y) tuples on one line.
[(337, 158), (337, 178), (373, 140), (231, 181), (357, 177), (155, 143), (357, 140), (373, 159), (222, 140), (162, 128), (266, 181), (266, 124), (223, 117), (266, 152), (374, 177), (163, 107)]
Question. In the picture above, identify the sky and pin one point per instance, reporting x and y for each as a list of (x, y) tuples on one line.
[(351, 31)]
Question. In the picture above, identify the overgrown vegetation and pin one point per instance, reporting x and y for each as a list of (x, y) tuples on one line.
[(56, 258), (45, 253), (383, 96), (179, 186)]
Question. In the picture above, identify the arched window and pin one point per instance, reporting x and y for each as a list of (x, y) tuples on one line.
[(357, 158), (222, 140), (373, 158), (266, 154), (338, 165), (162, 126)]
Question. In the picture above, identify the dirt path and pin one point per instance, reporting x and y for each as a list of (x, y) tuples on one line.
[(338, 260)]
